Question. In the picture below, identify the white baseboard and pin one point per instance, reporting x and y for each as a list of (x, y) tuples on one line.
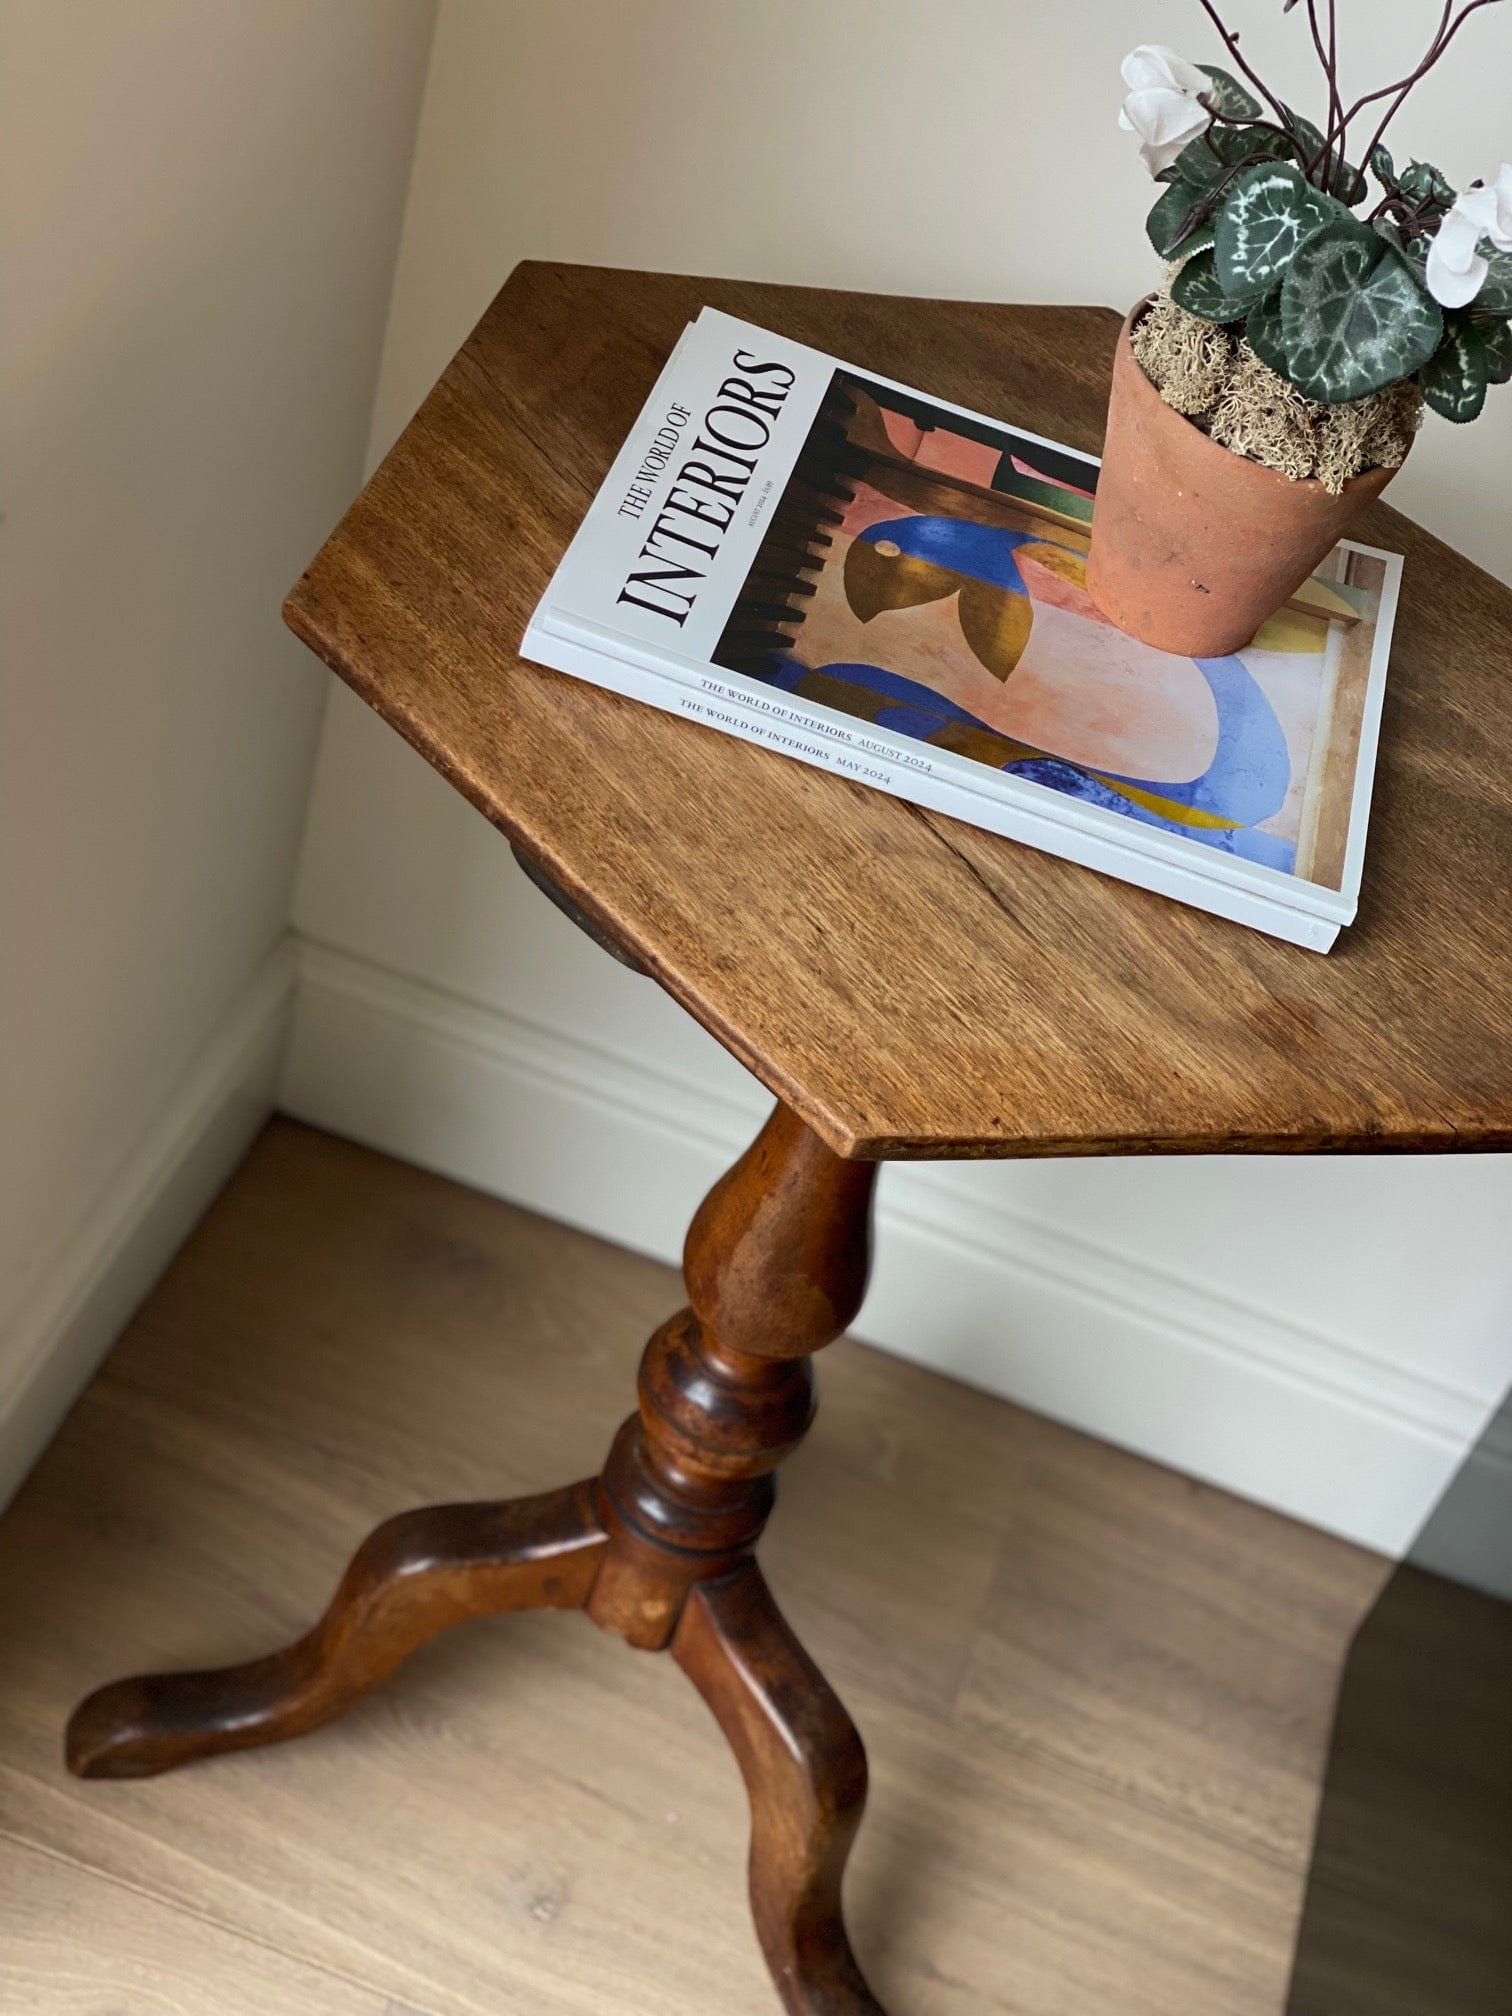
[(77, 1310), (1217, 1387), (1214, 1386)]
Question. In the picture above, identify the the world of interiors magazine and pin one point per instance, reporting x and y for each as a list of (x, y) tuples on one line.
[(794, 551)]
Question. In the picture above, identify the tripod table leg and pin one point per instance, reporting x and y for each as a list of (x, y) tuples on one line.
[(414, 1576), (805, 1772)]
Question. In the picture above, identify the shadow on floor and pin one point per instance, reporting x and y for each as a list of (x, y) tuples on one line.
[(1408, 1910)]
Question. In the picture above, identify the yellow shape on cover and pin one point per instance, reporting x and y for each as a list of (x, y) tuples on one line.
[(878, 579), (996, 624), (1071, 567), (1288, 630), (1183, 815), (1327, 599)]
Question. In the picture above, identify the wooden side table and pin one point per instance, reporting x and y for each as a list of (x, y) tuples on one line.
[(904, 985)]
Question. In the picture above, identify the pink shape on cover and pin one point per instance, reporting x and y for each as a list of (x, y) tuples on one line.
[(904, 434), (953, 455), (1087, 692)]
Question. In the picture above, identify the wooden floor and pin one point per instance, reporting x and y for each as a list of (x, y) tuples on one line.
[(1096, 1695)]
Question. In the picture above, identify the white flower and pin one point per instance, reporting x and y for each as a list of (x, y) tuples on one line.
[(1162, 106), (1457, 267)]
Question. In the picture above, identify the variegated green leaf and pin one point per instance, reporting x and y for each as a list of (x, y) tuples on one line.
[(1269, 213), (1495, 296), (1227, 95), (1310, 136), (1196, 289), (1420, 179), (1382, 166), (1455, 376), (1353, 316), (1263, 328), (1497, 337), (1215, 154), (1171, 210), (1346, 182), (1413, 250), (1341, 180)]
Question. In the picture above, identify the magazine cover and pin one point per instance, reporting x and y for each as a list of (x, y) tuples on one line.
[(846, 551)]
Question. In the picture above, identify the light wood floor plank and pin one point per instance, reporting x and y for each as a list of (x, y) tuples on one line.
[(1094, 1693), (76, 1944)]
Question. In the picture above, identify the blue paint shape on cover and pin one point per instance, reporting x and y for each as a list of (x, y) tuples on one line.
[(1246, 781), (1250, 772), (876, 679), (980, 552)]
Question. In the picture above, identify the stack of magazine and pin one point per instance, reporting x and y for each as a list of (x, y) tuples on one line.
[(792, 551)]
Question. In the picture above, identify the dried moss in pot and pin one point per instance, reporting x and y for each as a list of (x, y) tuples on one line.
[(1194, 546), (1219, 383)]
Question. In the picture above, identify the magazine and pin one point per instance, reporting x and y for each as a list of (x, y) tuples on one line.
[(797, 552)]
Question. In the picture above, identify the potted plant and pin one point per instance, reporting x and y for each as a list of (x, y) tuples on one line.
[(1318, 296)]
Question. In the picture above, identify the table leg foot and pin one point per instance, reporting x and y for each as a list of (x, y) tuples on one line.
[(413, 1577), (805, 1771), (658, 1550)]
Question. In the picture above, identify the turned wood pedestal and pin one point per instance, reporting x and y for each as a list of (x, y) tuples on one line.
[(904, 985), (658, 1548)]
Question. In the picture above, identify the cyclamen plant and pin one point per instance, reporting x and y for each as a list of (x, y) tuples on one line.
[(1263, 210)]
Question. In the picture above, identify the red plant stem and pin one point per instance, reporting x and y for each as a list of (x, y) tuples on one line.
[(1402, 83), (1231, 43), (1335, 91), (1398, 90), (1422, 70), (1328, 56), (1410, 216), (1203, 206)]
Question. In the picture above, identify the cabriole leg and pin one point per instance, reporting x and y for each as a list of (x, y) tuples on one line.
[(805, 1772), (413, 1577)]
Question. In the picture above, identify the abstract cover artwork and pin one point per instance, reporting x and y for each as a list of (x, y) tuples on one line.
[(794, 551), (951, 607)]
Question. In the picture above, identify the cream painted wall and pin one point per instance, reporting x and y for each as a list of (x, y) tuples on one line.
[(202, 208), (956, 147), (965, 147)]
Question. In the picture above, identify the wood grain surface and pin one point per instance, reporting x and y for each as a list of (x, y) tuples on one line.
[(1096, 1694), (911, 986), (74, 1944), (657, 1548)]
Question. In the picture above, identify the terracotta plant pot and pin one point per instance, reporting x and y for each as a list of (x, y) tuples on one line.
[(1193, 546)]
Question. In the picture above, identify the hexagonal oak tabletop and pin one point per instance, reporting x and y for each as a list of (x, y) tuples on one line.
[(913, 987)]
